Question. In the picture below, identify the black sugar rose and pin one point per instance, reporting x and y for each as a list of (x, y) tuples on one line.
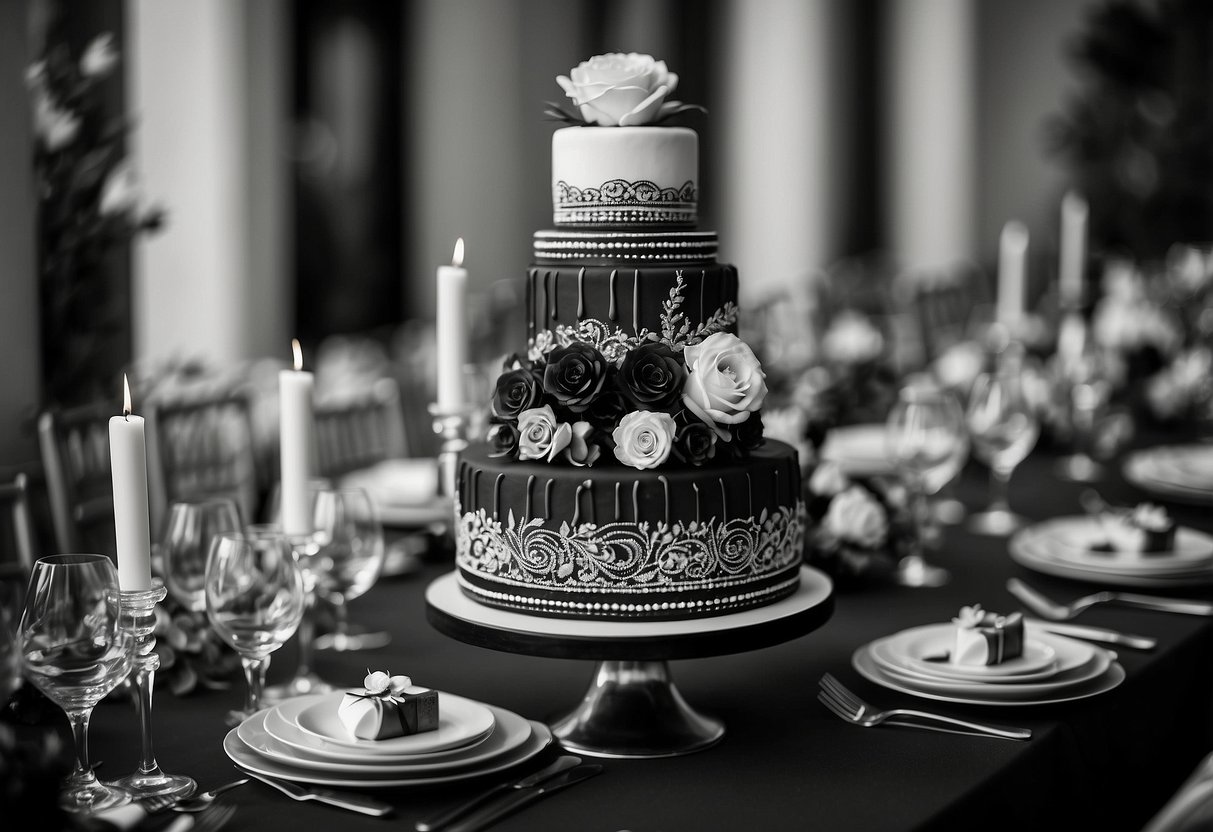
[(695, 442), (503, 437), (652, 375), (574, 375), (748, 435), (517, 390)]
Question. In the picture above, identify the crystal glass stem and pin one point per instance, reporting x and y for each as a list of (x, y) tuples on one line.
[(254, 673), (305, 680), (139, 618), (1000, 489), (913, 569), (450, 425)]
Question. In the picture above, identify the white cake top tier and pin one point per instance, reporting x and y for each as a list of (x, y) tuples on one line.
[(625, 177)]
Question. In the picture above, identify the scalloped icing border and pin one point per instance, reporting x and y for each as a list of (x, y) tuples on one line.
[(629, 557)]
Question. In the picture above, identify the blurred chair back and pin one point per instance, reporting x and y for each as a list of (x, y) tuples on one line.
[(946, 304), (357, 432), (16, 521), (74, 445), (202, 446)]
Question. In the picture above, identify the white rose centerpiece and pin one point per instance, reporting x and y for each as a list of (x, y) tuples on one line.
[(644, 438), (619, 89)]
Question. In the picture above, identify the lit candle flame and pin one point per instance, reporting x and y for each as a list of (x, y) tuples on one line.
[(457, 257), (126, 397), (298, 351)]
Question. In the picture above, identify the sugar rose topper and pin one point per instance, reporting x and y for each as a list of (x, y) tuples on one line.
[(619, 90)]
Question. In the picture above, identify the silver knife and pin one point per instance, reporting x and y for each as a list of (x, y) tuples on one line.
[(345, 800), (515, 799), (1095, 634), (441, 820)]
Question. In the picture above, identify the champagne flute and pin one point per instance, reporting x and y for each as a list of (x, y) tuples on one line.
[(192, 524), (925, 436), (1003, 427), (75, 650), (254, 600), (350, 536)]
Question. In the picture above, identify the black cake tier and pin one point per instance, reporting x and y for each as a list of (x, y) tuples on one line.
[(620, 304), (614, 542)]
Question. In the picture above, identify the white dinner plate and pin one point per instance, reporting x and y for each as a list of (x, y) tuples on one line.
[(509, 732), (1073, 541), (1024, 551), (998, 692), (461, 722), (1182, 472), (246, 757), (1043, 651), (866, 666), (859, 450)]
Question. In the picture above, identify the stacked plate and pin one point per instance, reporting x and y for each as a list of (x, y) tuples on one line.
[(859, 450), (1067, 547), (1052, 668), (405, 491), (303, 739), (1181, 472)]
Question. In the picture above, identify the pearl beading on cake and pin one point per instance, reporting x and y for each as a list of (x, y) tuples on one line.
[(614, 217), (738, 601), (677, 247)]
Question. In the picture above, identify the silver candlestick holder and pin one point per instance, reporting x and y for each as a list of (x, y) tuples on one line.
[(139, 619), (451, 425)]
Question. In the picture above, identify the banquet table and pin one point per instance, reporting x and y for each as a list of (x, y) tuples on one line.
[(1108, 762)]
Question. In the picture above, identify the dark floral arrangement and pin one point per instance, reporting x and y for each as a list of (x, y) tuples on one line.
[(89, 208), (192, 655), (653, 403), (859, 528)]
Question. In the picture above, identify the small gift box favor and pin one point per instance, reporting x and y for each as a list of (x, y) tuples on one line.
[(387, 707), (1147, 529), (986, 638)]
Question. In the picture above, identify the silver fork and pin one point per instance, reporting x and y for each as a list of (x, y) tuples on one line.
[(843, 703), (1046, 607), (197, 803), (210, 820)]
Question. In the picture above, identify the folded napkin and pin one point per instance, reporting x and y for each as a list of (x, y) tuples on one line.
[(985, 638), (387, 707)]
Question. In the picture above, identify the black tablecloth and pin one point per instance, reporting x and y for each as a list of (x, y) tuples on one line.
[(1107, 763)]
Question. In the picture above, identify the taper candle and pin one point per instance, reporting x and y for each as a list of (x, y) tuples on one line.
[(1074, 212), (128, 470), (295, 428), (1012, 273), (452, 330)]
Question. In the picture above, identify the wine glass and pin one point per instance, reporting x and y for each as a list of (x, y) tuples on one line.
[(192, 524), (925, 437), (75, 651), (254, 600), (306, 551), (350, 536), (1003, 427)]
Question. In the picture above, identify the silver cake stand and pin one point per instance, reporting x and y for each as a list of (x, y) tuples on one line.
[(632, 708)]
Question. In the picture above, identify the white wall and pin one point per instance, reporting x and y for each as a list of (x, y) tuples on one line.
[(210, 146)]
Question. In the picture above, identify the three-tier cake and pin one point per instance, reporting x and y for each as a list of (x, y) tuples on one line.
[(625, 474)]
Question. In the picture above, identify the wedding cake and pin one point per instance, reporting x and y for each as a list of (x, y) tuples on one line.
[(625, 474)]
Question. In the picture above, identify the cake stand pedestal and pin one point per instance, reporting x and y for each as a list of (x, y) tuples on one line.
[(632, 708)]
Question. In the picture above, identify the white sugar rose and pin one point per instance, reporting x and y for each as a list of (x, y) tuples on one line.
[(619, 90), (725, 382), (540, 436), (644, 438), (580, 452), (855, 516)]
